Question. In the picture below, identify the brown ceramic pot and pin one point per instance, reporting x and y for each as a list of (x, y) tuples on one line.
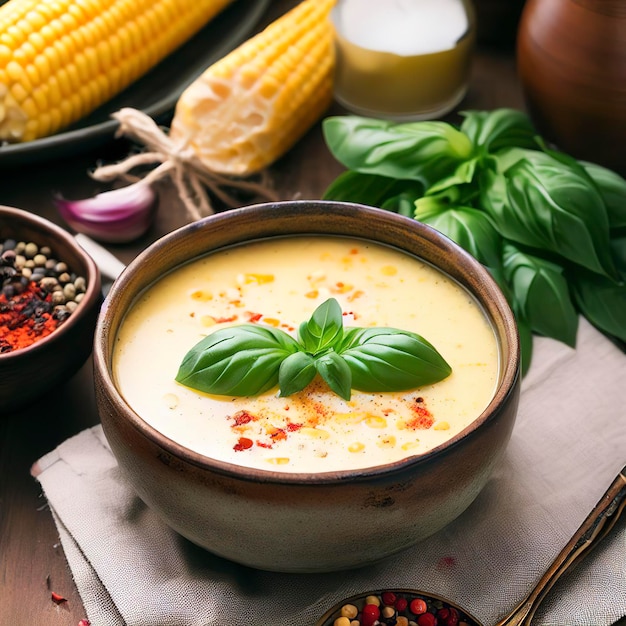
[(29, 373), (572, 65), (305, 522)]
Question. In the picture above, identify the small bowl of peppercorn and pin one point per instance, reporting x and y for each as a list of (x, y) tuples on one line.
[(50, 296)]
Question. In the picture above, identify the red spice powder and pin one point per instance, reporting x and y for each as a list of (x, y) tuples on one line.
[(422, 419), (25, 318)]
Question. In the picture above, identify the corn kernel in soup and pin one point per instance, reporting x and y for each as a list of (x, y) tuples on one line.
[(279, 283)]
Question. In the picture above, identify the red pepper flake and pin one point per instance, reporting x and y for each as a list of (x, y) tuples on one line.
[(223, 320), (278, 435), (292, 428), (243, 417), (264, 444), (243, 443), (254, 317), (57, 599), (84, 622), (25, 318), (354, 251)]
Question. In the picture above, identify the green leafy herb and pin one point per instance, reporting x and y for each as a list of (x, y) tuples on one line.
[(419, 151), (248, 359), (549, 228)]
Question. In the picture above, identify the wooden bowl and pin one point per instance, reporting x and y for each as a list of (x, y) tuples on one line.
[(28, 373), (305, 522)]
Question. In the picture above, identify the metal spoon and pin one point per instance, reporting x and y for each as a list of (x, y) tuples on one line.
[(595, 527)]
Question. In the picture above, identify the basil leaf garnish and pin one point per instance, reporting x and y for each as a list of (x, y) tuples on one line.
[(388, 359), (237, 361), (250, 359), (296, 372), (324, 329), (335, 372)]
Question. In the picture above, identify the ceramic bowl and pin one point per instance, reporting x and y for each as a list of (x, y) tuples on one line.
[(305, 522), (28, 373)]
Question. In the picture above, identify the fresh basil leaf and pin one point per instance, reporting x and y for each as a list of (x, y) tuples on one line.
[(435, 203), (612, 188), (618, 249), (541, 202), (402, 204), (369, 189), (500, 128), (237, 361), (324, 329), (421, 151), (295, 373), (471, 228), (463, 175), (542, 294), (388, 359), (335, 371), (602, 302)]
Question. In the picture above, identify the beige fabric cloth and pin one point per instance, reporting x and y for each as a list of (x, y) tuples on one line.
[(568, 444)]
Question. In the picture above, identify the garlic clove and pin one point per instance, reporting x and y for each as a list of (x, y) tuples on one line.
[(116, 216)]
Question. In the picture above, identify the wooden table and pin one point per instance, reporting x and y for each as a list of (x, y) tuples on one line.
[(32, 563)]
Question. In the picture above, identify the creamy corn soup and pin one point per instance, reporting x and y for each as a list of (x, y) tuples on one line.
[(279, 283)]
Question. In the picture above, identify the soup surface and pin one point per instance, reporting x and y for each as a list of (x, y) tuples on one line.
[(280, 282)]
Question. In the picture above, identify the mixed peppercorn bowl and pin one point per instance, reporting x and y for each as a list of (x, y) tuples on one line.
[(49, 302)]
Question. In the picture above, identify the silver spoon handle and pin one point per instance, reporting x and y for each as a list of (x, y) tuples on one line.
[(595, 527)]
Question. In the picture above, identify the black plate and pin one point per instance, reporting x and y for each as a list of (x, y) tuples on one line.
[(155, 93)]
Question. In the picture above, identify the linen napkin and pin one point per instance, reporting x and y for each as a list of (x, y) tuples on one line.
[(568, 444)]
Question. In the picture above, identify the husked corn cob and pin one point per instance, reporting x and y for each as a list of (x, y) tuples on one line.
[(251, 106), (61, 59)]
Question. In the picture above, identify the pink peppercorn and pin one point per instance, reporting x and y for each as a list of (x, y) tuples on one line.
[(401, 604), (427, 619), (388, 598), (369, 614), (448, 616), (418, 606)]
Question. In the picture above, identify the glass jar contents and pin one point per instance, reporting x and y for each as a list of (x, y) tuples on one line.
[(402, 59)]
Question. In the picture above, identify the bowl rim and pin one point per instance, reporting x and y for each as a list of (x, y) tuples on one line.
[(509, 371), (93, 278)]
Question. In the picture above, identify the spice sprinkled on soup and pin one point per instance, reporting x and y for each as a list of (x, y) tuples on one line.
[(279, 284)]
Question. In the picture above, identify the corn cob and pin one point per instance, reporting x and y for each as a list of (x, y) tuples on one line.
[(60, 60), (251, 106)]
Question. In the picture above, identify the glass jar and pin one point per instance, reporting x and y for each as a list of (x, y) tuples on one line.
[(402, 59)]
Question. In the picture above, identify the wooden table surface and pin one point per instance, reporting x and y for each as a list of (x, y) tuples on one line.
[(32, 563)]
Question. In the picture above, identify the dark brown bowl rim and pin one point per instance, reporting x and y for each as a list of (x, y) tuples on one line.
[(509, 378), (92, 294)]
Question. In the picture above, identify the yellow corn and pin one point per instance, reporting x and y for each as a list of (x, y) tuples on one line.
[(60, 60), (248, 108)]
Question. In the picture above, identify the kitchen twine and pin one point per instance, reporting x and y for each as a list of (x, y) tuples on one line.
[(178, 161)]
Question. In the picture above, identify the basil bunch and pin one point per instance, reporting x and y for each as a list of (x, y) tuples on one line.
[(249, 359), (550, 229)]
